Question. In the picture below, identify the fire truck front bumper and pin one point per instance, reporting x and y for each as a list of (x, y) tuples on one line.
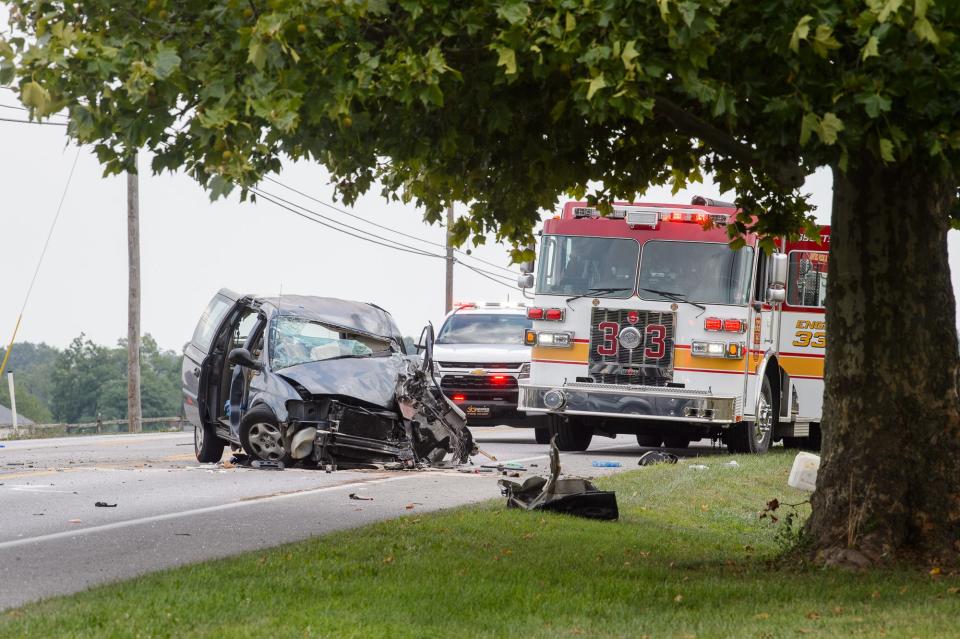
[(649, 402)]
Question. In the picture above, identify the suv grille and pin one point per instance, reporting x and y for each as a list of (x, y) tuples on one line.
[(480, 382), (649, 364), (502, 366)]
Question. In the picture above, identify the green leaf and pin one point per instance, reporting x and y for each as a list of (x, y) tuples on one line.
[(596, 84), (871, 48), (507, 59), (830, 126), (628, 55), (875, 104), (257, 54), (823, 40), (514, 12), (886, 150), (34, 95), (165, 61), (925, 31), (800, 32), (889, 7), (570, 22)]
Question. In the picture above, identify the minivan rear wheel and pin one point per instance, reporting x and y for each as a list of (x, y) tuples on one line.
[(206, 445)]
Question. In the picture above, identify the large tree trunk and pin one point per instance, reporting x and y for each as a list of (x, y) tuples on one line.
[(889, 481)]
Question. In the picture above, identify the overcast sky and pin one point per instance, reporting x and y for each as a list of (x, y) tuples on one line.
[(191, 247)]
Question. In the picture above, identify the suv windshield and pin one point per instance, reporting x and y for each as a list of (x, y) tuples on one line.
[(696, 271), (296, 341), (476, 328), (586, 265)]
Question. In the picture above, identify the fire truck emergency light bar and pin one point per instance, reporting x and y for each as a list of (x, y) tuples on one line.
[(652, 215)]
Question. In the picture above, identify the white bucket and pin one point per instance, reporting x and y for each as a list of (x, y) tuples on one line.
[(803, 475)]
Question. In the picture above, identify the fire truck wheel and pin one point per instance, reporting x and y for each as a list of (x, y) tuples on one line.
[(542, 435), (756, 436), (676, 442), (571, 434), (649, 441)]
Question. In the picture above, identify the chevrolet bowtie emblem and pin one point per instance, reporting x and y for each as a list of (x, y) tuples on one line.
[(478, 371)]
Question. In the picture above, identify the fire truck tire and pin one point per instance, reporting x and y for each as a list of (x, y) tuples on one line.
[(571, 434), (748, 437), (542, 435), (649, 441), (676, 442)]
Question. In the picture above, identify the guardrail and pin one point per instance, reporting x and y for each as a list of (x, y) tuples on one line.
[(98, 425)]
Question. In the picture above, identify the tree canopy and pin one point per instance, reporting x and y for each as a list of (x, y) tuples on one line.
[(504, 104)]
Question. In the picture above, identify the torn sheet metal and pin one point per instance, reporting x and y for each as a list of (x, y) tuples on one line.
[(570, 495)]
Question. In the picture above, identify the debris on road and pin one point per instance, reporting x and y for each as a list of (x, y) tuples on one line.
[(732, 464), (73, 521), (697, 467), (359, 498), (266, 464), (652, 457), (570, 495), (103, 504), (602, 463)]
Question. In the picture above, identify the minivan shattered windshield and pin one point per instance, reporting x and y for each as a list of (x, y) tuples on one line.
[(573, 265), (295, 341)]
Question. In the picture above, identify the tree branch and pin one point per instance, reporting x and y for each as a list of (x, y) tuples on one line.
[(789, 176)]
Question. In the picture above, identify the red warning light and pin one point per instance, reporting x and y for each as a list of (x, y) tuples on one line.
[(459, 397)]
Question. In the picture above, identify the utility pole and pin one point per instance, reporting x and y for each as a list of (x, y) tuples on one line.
[(134, 423), (13, 402), (449, 298)]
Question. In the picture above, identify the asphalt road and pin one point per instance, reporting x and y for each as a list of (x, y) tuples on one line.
[(170, 510)]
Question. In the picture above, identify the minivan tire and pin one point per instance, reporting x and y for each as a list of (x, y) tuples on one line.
[(259, 426), (206, 445)]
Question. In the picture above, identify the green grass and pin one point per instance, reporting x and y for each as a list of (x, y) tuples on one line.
[(689, 557)]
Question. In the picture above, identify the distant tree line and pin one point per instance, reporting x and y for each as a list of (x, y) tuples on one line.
[(83, 380)]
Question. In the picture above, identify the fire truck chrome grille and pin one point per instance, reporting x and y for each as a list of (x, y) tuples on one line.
[(664, 390), (648, 364)]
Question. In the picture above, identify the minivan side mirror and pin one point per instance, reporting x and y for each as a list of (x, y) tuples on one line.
[(242, 357)]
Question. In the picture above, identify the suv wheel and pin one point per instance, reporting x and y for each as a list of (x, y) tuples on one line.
[(542, 435), (649, 441)]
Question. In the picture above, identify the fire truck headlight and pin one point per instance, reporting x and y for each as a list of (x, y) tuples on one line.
[(554, 399), (708, 349), (732, 350), (553, 340)]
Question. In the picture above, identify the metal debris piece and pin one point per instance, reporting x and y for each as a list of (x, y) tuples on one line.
[(359, 498), (652, 457), (103, 504), (570, 495), (266, 464)]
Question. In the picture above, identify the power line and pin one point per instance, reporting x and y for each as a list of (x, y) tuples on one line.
[(20, 108), (33, 122), (367, 237), (384, 227), (43, 253)]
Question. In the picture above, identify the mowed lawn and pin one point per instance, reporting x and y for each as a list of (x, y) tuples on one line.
[(689, 557)]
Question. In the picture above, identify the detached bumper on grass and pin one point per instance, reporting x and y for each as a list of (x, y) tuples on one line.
[(570, 495)]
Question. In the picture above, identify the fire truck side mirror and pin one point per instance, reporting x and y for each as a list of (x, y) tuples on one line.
[(525, 280), (778, 271), (776, 295), (526, 267)]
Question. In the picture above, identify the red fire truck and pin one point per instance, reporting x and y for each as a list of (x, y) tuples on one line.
[(646, 322)]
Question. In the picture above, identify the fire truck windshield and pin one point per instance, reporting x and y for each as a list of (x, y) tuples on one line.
[(709, 273), (574, 265)]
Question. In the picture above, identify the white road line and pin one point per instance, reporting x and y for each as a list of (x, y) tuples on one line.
[(67, 534)]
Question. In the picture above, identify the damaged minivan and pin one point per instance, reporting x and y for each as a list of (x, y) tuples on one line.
[(317, 381)]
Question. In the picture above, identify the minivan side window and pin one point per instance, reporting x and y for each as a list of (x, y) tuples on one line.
[(209, 321)]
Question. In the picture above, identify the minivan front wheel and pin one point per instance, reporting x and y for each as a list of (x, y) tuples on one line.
[(206, 445), (261, 436)]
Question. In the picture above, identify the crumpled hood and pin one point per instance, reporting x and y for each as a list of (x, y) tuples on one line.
[(369, 379), (481, 353)]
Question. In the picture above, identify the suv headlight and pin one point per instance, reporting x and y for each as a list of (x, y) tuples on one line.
[(524, 371), (436, 369)]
